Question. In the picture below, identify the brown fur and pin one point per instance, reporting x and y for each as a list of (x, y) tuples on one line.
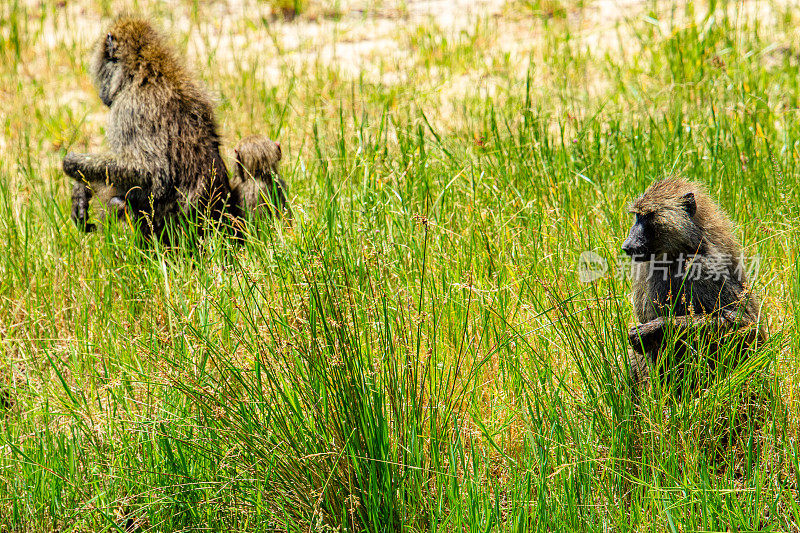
[(163, 155), (258, 186), (683, 226)]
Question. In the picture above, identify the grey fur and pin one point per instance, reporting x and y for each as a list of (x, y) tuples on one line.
[(687, 272), (163, 155), (257, 186)]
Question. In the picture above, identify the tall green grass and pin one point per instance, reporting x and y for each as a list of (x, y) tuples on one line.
[(416, 352)]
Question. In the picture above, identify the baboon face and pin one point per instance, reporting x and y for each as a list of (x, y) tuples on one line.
[(128, 43), (638, 245), (664, 227), (106, 69)]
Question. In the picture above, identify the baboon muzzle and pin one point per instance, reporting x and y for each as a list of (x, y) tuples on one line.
[(635, 245)]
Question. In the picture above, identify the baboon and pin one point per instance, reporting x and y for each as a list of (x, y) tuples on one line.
[(688, 278), (258, 187), (163, 159)]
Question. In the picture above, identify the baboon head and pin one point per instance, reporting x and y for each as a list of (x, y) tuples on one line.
[(257, 157), (129, 53), (673, 217)]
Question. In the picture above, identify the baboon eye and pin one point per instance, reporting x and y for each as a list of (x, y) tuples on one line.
[(644, 218)]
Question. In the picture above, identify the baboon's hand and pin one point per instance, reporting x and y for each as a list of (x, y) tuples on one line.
[(645, 337)]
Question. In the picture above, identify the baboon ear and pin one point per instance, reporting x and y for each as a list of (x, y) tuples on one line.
[(111, 46), (689, 204), (280, 154)]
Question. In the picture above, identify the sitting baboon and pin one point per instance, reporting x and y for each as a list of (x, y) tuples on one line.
[(688, 279), (163, 159), (258, 187)]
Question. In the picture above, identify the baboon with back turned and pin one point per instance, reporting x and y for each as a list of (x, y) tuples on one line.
[(688, 278), (258, 187), (163, 157)]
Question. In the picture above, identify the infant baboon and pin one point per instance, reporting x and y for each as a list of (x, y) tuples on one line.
[(688, 277), (163, 159), (258, 187)]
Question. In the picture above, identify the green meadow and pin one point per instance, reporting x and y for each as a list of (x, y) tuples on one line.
[(417, 352)]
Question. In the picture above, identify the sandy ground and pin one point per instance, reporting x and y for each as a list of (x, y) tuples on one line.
[(369, 40), (357, 37), (368, 37)]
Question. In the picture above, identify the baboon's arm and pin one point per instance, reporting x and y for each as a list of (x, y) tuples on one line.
[(104, 169), (646, 337)]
